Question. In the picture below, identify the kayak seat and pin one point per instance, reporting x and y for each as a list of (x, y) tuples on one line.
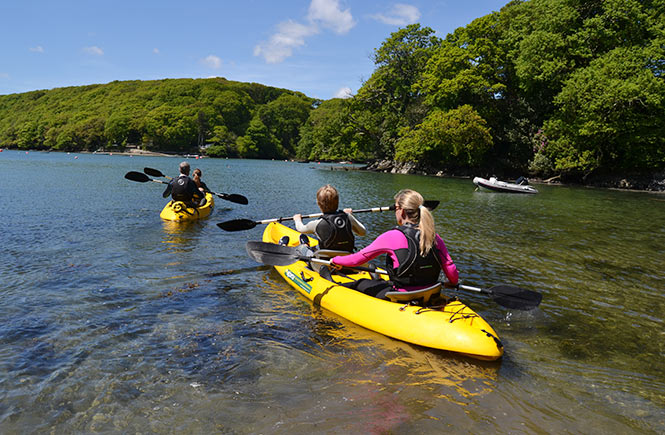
[(424, 294)]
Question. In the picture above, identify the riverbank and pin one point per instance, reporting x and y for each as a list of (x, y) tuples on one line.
[(132, 152), (634, 182)]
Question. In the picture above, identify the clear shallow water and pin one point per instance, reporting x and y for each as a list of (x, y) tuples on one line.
[(112, 320)]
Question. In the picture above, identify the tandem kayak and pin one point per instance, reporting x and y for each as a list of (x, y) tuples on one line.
[(179, 212), (502, 186), (447, 324)]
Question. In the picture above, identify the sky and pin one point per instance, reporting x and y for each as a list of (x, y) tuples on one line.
[(321, 48)]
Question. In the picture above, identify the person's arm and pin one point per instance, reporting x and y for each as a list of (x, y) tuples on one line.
[(386, 243), (305, 229), (447, 265), (356, 226)]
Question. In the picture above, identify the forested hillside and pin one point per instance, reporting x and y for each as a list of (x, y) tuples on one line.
[(554, 87), (175, 115), (548, 87)]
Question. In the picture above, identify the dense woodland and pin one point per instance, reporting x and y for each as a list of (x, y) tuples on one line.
[(548, 87), (175, 115)]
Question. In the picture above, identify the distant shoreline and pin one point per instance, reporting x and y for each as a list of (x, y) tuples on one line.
[(650, 183), (130, 153)]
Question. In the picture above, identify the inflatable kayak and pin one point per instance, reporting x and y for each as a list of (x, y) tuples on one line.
[(502, 186), (179, 212), (445, 323)]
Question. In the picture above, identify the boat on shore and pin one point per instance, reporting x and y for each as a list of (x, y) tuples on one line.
[(521, 186)]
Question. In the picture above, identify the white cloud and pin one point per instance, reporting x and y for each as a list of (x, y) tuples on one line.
[(343, 93), (290, 35), (94, 50), (400, 15), (155, 50), (37, 49), (212, 61), (331, 16)]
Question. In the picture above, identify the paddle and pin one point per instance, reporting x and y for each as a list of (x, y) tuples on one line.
[(247, 224), (233, 197), (141, 177), (504, 295), (155, 173)]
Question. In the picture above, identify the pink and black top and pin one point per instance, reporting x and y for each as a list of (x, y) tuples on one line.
[(390, 241)]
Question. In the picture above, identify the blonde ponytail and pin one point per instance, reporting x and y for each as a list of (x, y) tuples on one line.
[(412, 203)]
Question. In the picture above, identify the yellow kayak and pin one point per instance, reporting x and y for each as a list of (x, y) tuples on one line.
[(179, 212), (447, 325)]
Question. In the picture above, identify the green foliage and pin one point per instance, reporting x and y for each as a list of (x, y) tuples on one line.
[(328, 134), (388, 101), (283, 117), (561, 87), (180, 115), (455, 138), (610, 115)]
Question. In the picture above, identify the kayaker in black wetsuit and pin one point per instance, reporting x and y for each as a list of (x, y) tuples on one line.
[(335, 229), (184, 188)]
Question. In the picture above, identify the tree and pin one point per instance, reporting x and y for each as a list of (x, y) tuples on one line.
[(455, 138), (257, 142), (389, 91), (610, 115), (327, 134), (283, 118)]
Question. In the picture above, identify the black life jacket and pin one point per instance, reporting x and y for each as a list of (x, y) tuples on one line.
[(335, 231), (414, 269), (183, 189)]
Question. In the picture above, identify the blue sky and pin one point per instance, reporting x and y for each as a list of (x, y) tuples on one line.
[(319, 47)]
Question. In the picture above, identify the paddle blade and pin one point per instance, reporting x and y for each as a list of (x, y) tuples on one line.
[(238, 199), (271, 254), (515, 297), (237, 225), (137, 176), (153, 172)]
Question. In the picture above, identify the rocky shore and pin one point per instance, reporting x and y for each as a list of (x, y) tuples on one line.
[(650, 182)]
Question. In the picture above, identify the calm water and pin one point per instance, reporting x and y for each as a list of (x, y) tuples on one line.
[(114, 321)]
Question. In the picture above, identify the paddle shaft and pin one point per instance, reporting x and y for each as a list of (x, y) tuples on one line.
[(318, 215), (432, 203), (280, 255), (374, 269), (247, 224), (233, 197), (507, 296)]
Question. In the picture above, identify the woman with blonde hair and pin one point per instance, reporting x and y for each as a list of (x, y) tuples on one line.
[(415, 253)]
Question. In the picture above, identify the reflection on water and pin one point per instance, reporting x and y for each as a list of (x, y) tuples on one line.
[(113, 320)]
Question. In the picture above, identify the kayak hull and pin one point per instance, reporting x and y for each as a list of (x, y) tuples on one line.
[(501, 186), (452, 326), (177, 210)]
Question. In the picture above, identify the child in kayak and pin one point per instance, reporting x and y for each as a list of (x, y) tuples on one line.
[(335, 229), (415, 253)]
